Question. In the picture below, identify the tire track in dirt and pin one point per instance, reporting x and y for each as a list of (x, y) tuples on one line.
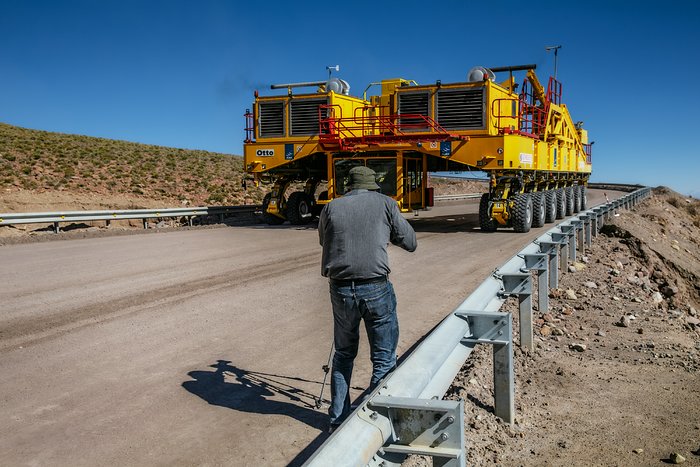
[(25, 331)]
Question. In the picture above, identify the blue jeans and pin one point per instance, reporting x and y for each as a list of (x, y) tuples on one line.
[(375, 303)]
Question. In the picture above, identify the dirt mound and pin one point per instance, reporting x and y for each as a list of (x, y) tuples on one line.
[(615, 376)]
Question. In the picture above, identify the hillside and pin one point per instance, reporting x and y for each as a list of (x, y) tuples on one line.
[(40, 170)]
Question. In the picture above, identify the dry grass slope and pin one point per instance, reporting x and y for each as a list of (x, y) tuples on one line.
[(41, 161)]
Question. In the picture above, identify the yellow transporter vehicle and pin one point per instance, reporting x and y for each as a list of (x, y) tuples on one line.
[(538, 159)]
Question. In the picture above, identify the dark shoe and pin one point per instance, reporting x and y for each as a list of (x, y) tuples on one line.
[(332, 428)]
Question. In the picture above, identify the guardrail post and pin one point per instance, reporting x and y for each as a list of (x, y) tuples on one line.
[(539, 263), (145, 223), (587, 220), (595, 216), (521, 285), (563, 240), (496, 328), (425, 427), (579, 224), (551, 248), (56, 227), (570, 231)]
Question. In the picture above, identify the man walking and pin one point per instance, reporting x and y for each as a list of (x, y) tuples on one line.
[(355, 231)]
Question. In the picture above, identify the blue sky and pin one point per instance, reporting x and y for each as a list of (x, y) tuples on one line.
[(181, 73)]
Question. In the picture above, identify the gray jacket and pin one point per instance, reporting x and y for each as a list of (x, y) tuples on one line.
[(355, 231)]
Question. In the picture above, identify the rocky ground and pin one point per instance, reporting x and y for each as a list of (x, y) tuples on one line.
[(614, 379)]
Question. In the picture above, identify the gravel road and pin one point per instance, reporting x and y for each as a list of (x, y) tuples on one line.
[(199, 347)]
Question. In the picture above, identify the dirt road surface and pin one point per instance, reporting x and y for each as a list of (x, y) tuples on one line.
[(200, 347)]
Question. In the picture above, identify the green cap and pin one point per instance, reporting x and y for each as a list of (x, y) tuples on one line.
[(362, 178)]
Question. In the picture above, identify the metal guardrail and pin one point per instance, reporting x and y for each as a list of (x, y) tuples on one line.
[(56, 218), (615, 186), (456, 197), (405, 414)]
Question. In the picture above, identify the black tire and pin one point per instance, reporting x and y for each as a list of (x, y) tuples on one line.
[(577, 198), (561, 203), (486, 223), (569, 191), (583, 196), (522, 213), (538, 209), (269, 219), (550, 206), (299, 208)]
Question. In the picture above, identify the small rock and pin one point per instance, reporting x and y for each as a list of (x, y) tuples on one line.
[(571, 295), (676, 247), (693, 321), (590, 285), (600, 333), (547, 317), (640, 331), (624, 322), (578, 347), (579, 266), (545, 331), (615, 272), (473, 382), (557, 332), (676, 458), (616, 298), (669, 291), (657, 298), (692, 311), (638, 450), (560, 372), (572, 269)]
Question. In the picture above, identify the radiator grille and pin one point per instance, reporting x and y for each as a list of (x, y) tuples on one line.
[(304, 116), (271, 123), (461, 109), (416, 103)]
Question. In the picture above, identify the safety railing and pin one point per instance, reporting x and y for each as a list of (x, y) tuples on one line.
[(56, 218), (406, 414), (364, 128)]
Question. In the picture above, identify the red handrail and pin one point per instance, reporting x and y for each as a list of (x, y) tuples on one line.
[(249, 126), (367, 129)]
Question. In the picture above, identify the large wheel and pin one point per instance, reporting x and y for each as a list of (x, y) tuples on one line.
[(550, 206), (299, 208), (561, 203), (270, 219), (522, 213), (577, 198), (583, 196), (486, 222), (538, 209), (569, 200)]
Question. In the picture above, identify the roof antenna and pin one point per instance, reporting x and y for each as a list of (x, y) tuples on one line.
[(555, 48)]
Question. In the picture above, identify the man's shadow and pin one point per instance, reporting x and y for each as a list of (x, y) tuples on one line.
[(249, 391)]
